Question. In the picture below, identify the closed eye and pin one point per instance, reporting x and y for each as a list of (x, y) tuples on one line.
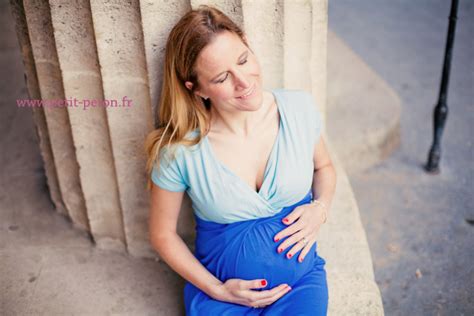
[(241, 63)]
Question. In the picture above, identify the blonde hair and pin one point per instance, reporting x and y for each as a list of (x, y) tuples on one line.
[(180, 109)]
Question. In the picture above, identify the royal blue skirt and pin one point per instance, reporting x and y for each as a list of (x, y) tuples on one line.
[(246, 250)]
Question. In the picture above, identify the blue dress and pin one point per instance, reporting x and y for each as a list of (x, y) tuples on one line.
[(235, 225)]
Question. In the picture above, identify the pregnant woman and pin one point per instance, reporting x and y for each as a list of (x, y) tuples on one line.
[(256, 169)]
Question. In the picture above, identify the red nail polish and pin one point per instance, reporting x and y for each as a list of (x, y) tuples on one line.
[(264, 282), (289, 255), (286, 220), (280, 250), (277, 239)]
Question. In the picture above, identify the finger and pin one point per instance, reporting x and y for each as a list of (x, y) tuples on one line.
[(294, 250), (290, 230), (272, 299), (266, 294), (293, 216), (306, 250), (293, 239), (252, 284)]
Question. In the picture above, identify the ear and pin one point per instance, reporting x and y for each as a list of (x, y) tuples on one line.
[(189, 85)]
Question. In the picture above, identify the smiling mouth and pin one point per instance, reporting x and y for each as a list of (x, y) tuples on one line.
[(248, 94)]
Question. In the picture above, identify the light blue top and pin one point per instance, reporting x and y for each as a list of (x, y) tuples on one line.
[(219, 195)]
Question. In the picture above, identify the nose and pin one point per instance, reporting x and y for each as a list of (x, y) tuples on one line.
[(241, 80)]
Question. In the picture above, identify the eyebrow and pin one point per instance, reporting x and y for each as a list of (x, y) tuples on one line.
[(240, 57)]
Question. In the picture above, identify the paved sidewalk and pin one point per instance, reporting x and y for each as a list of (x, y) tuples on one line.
[(415, 221)]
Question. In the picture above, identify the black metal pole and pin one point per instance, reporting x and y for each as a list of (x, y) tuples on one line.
[(441, 110)]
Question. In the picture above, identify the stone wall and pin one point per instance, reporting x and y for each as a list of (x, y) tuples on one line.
[(93, 155)]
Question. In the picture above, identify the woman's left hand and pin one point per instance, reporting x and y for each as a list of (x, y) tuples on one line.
[(304, 221)]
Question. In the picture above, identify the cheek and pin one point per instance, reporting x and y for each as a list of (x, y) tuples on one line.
[(223, 92)]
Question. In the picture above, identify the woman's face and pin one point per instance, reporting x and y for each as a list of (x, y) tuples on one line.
[(227, 71)]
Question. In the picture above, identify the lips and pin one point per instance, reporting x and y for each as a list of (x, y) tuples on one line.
[(248, 94)]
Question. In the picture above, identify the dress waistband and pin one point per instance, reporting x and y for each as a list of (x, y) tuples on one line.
[(208, 225)]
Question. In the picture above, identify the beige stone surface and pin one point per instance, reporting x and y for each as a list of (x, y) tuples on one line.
[(231, 8), (318, 63), (297, 45), (354, 295), (265, 33), (343, 244), (155, 34), (59, 128), (363, 110), (120, 46), (32, 85), (77, 55)]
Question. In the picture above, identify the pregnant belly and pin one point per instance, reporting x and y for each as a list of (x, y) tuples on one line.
[(247, 251)]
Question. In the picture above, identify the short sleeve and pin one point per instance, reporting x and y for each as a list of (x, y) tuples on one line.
[(169, 174), (315, 121)]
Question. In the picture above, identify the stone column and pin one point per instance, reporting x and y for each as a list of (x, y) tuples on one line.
[(318, 59), (78, 60), (32, 85), (95, 52), (120, 46), (50, 84)]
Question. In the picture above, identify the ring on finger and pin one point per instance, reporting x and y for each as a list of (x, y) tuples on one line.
[(305, 241)]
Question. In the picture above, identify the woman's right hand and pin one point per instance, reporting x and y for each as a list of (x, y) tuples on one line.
[(242, 292)]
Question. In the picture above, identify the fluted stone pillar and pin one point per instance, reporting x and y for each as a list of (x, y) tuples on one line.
[(32, 85), (76, 48), (94, 157), (94, 51), (50, 84), (318, 59), (120, 47)]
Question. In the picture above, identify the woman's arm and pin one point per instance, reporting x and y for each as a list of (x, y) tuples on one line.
[(324, 178), (164, 212), (165, 207)]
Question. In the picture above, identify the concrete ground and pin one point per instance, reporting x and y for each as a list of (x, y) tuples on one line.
[(415, 221)]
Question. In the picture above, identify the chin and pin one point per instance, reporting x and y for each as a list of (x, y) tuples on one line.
[(257, 100), (254, 102)]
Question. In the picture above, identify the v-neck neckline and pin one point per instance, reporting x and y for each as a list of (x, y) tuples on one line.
[(270, 157)]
